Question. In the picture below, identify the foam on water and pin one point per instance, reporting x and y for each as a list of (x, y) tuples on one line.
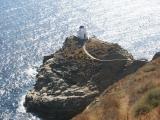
[(31, 71), (31, 29), (21, 108)]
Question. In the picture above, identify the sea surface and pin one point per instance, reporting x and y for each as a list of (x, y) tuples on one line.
[(31, 29)]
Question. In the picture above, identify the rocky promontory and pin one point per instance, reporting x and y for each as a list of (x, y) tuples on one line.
[(69, 80)]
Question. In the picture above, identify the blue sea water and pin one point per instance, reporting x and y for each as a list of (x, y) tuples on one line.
[(30, 29)]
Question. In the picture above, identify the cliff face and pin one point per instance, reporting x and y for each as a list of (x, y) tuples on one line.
[(69, 79), (135, 97)]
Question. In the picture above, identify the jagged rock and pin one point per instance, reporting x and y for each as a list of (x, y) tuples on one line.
[(156, 56), (69, 80)]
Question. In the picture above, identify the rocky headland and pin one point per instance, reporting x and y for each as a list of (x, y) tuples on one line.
[(69, 82)]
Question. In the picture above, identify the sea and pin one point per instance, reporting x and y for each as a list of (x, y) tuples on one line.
[(31, 29)]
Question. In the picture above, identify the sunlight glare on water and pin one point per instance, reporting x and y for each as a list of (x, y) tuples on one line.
[(30, 29)]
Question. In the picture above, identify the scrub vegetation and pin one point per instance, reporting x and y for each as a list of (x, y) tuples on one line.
[(148, 102)]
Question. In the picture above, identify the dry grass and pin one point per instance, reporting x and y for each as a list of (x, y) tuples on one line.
[(106, 110)]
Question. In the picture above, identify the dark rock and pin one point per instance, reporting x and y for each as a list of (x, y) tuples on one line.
[(69, 80), (132, 67), (156, 56)]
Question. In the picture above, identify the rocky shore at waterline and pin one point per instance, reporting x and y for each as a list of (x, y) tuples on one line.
[(69, 80)]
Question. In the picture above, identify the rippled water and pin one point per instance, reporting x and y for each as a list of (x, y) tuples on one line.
[(30, 29)]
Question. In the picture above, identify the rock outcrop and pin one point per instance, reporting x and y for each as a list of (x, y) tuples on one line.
[(157, 55), (135, 97), (69, 80)]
